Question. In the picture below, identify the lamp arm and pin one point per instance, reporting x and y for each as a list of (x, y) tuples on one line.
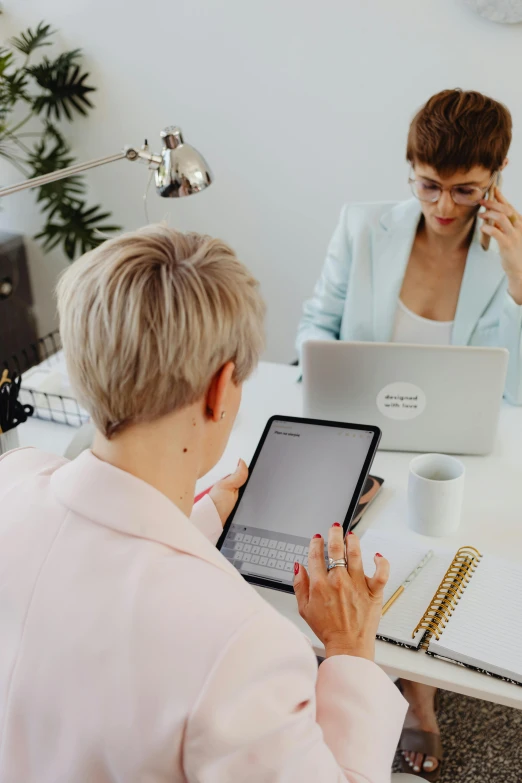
[(35, 182)]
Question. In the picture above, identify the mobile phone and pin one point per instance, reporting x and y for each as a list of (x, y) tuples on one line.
[(485, 238)]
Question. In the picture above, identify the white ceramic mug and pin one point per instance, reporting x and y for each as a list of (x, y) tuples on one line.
[(435, 492)]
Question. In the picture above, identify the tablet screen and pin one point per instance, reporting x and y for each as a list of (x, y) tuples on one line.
[(304, 477)]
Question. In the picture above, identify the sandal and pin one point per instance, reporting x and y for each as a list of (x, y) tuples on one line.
[(426, 742)]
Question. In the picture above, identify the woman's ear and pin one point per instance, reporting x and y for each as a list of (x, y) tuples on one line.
[(217, 393), (506, 161)]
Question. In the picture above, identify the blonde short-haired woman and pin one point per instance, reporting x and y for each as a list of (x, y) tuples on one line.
[(131, 649)]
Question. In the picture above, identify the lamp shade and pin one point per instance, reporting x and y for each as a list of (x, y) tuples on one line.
[(182, 171)]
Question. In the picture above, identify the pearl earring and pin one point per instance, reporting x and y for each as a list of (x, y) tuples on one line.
[(223, 414)]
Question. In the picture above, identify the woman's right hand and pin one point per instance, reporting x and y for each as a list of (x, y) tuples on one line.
[(342, 606)]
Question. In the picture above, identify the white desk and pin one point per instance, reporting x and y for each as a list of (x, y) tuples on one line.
[(492, 518)]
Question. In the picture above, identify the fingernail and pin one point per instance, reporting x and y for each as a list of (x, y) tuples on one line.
[(350, 532), (416, 769), (336, 524), (378, 554), (317, 535), (296, 568)]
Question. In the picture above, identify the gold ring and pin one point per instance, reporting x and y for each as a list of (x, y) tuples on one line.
[(512, 219)]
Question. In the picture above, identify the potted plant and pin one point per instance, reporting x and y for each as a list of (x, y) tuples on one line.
[(37, 96)]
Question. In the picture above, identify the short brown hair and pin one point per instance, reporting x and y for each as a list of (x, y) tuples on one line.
[(459, 129), (149, 317)]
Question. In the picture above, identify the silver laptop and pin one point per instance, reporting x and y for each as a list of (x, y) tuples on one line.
[(424, 398)]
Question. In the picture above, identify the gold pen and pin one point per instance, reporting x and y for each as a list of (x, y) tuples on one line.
[(407, 582)]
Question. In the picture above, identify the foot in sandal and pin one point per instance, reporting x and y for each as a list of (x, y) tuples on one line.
[(420, 744)]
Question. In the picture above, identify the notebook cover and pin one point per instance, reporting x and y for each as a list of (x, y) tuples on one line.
[(473, 668)]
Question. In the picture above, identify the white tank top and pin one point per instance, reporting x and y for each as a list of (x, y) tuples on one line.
[(412, 328)]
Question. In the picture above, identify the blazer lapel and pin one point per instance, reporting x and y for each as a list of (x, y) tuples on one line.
[(482, 276), (392, 247)]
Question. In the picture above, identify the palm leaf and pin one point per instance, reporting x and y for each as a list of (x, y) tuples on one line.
[(55, 88), (80, 229), (29, 40), (12, 89), (66, 59), (50, 131), (64, 89), (6, 60), (47, 156), (50, 154), (52, 194)]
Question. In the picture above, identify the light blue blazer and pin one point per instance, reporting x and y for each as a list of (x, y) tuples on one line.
[(357, 294)]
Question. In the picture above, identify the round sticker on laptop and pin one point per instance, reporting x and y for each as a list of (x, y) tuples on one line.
[(401, 401)]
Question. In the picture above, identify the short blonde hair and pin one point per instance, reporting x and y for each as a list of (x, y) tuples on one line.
[(149, 317)]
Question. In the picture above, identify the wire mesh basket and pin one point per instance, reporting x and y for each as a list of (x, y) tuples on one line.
[(45, 357)]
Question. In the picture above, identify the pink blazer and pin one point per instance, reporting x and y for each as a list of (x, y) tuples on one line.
[(132, 651)]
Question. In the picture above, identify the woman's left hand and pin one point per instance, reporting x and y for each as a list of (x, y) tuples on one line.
[(507, 230), (224, 493)]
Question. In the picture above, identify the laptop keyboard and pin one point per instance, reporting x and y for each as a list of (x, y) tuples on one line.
[(265, 553)]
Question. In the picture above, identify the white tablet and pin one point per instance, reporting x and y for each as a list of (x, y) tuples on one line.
[(305, 475)]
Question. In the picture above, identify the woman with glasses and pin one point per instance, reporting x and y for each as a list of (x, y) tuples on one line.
[(417, 272)]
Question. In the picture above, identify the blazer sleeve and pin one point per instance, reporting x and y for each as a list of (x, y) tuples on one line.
[(206, 518), (511, 338), (266, 713), (322, 314)]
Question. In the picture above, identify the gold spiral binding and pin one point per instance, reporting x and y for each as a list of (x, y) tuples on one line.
[(448, 594)]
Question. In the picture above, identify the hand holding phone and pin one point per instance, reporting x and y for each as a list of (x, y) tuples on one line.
[(485, 238)]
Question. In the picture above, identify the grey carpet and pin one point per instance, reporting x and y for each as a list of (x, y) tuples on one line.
[(482, 741)]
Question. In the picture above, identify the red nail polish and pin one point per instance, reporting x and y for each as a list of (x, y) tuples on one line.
[(296, 568), (378, 554), (336, 524), (317, 535), (350, 532)]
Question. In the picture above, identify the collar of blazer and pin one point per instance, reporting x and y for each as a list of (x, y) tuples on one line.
[(393, 243), (108, 496)]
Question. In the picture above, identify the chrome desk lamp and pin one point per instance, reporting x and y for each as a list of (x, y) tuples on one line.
[(179, 169)]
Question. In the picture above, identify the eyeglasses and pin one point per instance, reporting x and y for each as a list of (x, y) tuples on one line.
[(466, 195)]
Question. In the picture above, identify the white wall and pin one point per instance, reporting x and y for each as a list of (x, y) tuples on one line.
[(298, 106)]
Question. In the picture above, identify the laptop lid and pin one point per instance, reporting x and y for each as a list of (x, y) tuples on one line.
[(423, 398)]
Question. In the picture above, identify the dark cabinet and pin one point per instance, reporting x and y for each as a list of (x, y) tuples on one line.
[(17, 323)]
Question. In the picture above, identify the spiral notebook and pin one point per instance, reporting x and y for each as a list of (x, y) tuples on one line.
[(463, 607)]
